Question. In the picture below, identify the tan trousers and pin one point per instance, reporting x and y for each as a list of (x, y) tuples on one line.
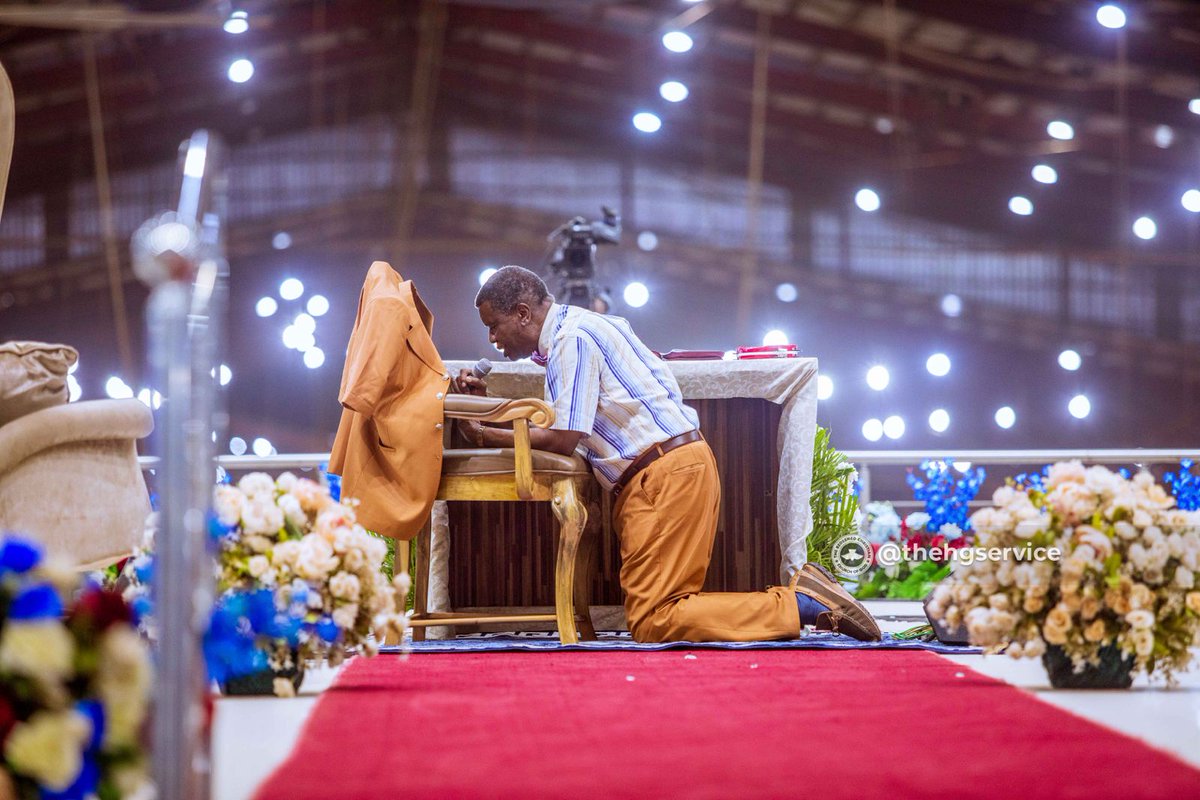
[(666, 520)]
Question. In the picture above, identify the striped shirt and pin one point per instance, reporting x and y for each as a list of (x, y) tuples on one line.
[(603, 382)]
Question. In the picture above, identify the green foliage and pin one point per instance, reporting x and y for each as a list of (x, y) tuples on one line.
[(911, 582), (833, 502)]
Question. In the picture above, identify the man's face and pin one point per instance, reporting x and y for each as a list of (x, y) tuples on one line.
[(514, 333)]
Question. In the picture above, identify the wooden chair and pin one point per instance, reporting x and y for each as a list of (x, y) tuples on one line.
[(511, 474)]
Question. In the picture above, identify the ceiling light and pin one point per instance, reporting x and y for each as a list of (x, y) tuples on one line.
[(305, 323), (281, 240), (318, 305), (939, 420), (938, 364), (1021, 206), (636, 294), (237, 23), (262, 447), (1191, 200), (647, 240), (241, 70), (872, 430), (867, 199), (646, 122), (677, 41), (486, 274), (74, 390), (824, 387), (117, 389), (884, 125), (1145, 228), (952, 305), (673, 92), (1194, 105), (314, 357), (237, 445), (291, 289), (893, 427), (1044, 173), (226, 374), (1110, 16), (1164, 136), (786, 292), (1006, 417), (266, 306), (878, 377), (774, 338), (1070, 360), (1060, 130), (1079, 406)]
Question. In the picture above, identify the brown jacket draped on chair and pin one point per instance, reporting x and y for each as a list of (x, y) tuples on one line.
[(388, 448)]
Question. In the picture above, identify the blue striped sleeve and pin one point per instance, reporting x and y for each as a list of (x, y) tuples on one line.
[(576, 397)]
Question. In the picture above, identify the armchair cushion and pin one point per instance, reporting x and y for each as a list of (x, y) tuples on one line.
[(69, 478), (33, 376), (500, 461)]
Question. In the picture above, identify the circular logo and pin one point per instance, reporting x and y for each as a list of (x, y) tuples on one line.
[(851, 555)]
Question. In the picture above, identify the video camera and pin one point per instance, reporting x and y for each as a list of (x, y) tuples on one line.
[(573, 258)]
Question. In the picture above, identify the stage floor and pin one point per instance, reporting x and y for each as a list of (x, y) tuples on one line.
[(252, 735)]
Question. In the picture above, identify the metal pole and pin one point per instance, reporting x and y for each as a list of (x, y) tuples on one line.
[(181, 255)]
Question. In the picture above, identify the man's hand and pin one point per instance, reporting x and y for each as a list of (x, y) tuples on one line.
[(469, 384), (471, 431)]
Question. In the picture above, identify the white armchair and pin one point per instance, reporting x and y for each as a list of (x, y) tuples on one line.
[(69, 479)]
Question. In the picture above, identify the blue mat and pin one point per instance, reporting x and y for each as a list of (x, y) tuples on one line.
[(609, 640)]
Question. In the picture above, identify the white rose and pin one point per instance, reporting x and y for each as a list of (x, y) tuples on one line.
[(123, 680), (313, 497), (1140, 618), (292, 511), (1184, 578), (345, 586), (43, 650), (228, 503), (285, 481), (353, 559), (257, 483), (48, 747), (315, 559), (262, 515), (257, 565), (285, 553), (1065, 472), (344, 616), (1143, 641)]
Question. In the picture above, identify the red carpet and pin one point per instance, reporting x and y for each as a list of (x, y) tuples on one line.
[(800, 725)]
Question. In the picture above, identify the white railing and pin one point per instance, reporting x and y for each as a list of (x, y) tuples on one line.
[(864, 460)]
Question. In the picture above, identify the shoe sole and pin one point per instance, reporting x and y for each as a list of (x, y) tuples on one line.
[(868, 627)]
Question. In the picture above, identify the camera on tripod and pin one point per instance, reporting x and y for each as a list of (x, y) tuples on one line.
[(573, 260)]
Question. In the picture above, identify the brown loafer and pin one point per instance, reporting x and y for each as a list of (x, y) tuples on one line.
[(845, 615)]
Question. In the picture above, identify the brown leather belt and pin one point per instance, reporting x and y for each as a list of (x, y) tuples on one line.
[(651, 455)]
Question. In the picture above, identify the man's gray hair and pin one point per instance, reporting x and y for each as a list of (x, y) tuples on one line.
[(511, 285)]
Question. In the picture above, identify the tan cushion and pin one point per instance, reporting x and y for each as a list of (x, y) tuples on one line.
[(499, 461), (33, 376)]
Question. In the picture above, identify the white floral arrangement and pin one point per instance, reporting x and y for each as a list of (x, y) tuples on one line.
[(289, 536), (75, 683), (1126, 578)]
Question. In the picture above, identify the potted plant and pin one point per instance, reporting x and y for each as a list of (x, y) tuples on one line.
[(1121, 597)]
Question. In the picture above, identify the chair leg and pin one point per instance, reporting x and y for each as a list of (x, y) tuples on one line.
[(572, 518), (584, 568), (421, 581)]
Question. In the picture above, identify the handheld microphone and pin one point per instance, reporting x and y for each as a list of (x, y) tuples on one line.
[(481, 368)]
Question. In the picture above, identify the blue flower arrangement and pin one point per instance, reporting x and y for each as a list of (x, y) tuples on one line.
[(1185, 485), (74, 682), (946, 496)]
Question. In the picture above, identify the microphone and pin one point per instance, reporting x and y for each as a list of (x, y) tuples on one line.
[(481, 368)]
